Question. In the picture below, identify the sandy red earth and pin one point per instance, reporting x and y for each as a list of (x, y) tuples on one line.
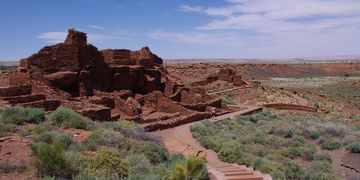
[(116, 84)]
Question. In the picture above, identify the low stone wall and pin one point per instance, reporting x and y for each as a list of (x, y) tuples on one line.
[(177, 122), (291, 107), (15, 91), (24, 98)]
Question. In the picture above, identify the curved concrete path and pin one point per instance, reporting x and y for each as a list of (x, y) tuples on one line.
[(180, 140)]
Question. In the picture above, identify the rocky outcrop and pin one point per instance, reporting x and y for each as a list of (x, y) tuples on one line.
[(108, 84)]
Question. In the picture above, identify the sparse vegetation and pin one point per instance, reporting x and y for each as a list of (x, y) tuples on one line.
[(353, 147), (68, 118), (121, 149), (19, 115), (273, 143), (330, 145)]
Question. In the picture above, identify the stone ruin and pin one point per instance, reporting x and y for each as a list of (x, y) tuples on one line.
[(108, 85)]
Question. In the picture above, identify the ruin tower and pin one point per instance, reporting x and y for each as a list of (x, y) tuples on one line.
[(76, 38)]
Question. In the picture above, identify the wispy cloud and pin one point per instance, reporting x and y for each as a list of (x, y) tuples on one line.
[(53, 37), (188, 8), (98, 27), (276, 26)]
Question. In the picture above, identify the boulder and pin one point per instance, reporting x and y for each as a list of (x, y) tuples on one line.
[(63, 78), (132, 107)]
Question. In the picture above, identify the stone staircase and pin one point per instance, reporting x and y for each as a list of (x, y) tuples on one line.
[(240, 172), (23, 96)]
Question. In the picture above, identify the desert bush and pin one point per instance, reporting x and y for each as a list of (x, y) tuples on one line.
[(353, 147), (39, 128), (203, 129), (334, 129), (322, 170), (265, 115), (192, 168), (138, 164), (314, 135), (19, 115), (308, 152), (259, 138), (236, 155), (292, 152), (10, 168), (76, 160), (330, 145), (298, 140), (108, 161), (68, 118), (6, 129), (53, 137), (266, 166), (124, 127), (274, 141), (51, 160), (293, 170), (154, 152), (197, 168), (322, 157), (106, 137), (34, 115)]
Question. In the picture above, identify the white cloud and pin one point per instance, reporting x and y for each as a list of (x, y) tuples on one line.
[(53, 37), (276, 27), (187, 8), (208, 39), (58, 37), (280, 15), (98, 27)]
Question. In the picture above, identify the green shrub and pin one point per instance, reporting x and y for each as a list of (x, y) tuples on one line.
[(51, 160), (41, 127), (192, 168), (353, 147), (293, 170), (19, 115), (314, 135), (6, 168), (53, 137), (108, 161), (68, 118), (308, 152), (265, 115), (197, 168), (298, 140), (203, 129), (124, 127), (330, 145), (323, 157), (292, 152), (210, 143), (77, 161), (14, 115), (178, 172), (35, 115), (266, 166), (138, 163), (106, 137), (6, 129), (322, 170), (154, 152), (236, 155)]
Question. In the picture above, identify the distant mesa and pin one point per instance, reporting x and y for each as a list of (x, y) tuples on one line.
[(110, 84)]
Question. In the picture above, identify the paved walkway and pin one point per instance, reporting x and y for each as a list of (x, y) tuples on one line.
[(180, 140)]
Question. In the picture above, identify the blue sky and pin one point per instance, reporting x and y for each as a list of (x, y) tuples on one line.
[(187, 28)]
